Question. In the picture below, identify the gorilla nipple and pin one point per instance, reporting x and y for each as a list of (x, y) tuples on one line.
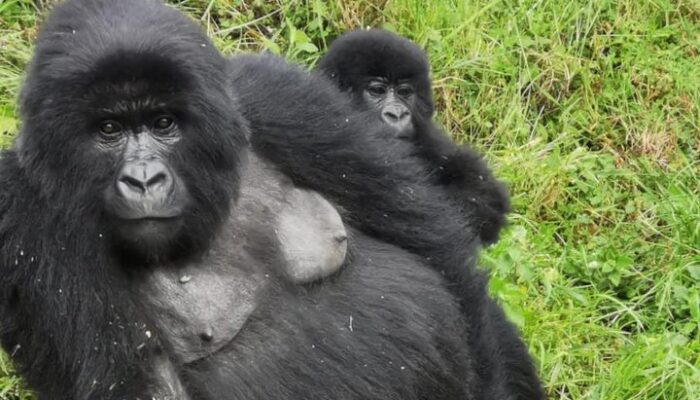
[(207, 335), (341, 238)]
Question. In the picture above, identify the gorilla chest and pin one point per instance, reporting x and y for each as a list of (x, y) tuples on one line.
[(200, 310)]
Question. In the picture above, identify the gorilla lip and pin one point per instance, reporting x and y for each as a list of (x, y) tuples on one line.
[(152, 218)]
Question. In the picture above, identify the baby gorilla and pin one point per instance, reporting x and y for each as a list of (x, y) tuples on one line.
[(389, 74)]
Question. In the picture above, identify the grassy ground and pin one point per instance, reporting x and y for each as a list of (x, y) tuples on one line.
[(589, 109)]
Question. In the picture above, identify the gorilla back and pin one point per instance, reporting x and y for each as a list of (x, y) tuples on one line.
[(137, 259)]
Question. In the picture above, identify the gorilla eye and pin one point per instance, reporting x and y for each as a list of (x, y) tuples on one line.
[(404, 91), (164, 123), (110, 128), (377, 90)]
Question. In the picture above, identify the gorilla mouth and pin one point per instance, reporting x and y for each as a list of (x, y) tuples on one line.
[(148, 235), (152, 218), (136, 224), (405, 134), (151, 222), (127, 211)]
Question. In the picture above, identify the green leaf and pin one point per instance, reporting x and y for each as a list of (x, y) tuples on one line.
[(7, 124), (694, 271), (694, 306), (271, 46), (308, 48), (515, 314), (298, 37)]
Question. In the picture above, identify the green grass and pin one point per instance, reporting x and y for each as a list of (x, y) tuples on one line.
[(590, 110)]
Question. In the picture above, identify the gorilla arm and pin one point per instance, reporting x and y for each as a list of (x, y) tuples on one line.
[(466, 176), (303, 125), (325, 146), (43, 311)]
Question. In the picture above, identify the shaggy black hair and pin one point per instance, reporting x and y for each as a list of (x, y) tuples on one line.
[(82, 322)]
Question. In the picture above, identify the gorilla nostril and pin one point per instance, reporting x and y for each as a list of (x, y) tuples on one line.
[(390, 116), (133, 183), (158, 178)]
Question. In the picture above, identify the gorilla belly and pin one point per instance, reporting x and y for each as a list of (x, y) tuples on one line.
[(384, 328), (199, 310)]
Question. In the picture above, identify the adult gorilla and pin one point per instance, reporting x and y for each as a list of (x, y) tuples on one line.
[(139, 246), (389, 76)]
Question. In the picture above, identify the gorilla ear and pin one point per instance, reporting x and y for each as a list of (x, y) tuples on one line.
[(312, 236)]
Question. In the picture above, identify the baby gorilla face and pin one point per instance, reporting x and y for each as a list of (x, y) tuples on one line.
[(314, 240), (394, 101)]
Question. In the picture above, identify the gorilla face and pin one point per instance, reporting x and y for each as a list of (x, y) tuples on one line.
[(155, 164), (383, 72), (395, 101), (145, 132), (145, 198)]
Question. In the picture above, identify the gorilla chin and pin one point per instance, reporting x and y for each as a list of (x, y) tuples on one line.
[(149, 227), (147, 239)]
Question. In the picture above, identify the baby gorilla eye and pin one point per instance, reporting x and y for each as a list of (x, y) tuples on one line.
[(377, 89), (164, 123), (110, 129), (404, 91)]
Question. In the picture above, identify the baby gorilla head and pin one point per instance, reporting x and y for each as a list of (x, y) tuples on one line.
[(383, 72)]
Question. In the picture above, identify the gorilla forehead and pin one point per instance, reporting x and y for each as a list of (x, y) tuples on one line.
[(84, 44), (375, 53)]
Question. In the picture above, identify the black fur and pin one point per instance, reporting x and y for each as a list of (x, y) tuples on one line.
[(386, 192), (73, 313), (356, 57)]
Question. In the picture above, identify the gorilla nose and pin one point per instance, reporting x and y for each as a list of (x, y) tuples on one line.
[(144, 179), (396, 116)]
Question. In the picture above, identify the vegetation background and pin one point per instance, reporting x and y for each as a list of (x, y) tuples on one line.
[(590, 110)]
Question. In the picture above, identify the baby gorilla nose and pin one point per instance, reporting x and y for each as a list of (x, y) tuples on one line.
[(144, 180), (397, 116)]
